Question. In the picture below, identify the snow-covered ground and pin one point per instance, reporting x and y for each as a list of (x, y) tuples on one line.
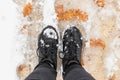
[(8, 23), (10, 58), (17, 48)]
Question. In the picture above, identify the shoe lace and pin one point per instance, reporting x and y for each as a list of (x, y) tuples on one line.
[(46, 51), (72, 51), (70, 55)]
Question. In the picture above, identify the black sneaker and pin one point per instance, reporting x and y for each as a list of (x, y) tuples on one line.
[(72, 47), (48, 46)]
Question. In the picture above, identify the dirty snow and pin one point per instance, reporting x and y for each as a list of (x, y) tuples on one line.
[(9, 60)]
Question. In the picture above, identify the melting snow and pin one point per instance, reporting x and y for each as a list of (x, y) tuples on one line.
[(50, 33)]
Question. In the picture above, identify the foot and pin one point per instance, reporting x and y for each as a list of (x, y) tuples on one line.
[(48, 46), (72, 47)]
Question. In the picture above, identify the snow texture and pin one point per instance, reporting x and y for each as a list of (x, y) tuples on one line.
[(50, 33), (49, 15)]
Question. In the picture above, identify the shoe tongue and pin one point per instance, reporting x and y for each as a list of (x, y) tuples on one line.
[(50, 42)]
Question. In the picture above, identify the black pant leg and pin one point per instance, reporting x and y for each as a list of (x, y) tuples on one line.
[(43, 72), (76, 72)]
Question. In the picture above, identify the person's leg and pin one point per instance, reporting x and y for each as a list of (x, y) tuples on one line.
[(76, 72), (47, 53), (43, 72), (72, 48)]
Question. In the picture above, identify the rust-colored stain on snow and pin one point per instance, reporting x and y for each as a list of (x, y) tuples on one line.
[(97, 43), (24, 30), (23, 70), (60, 11), (118, 9), (70, 14), (83, 16), (112, 77), (27, 9), (100, 3)]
